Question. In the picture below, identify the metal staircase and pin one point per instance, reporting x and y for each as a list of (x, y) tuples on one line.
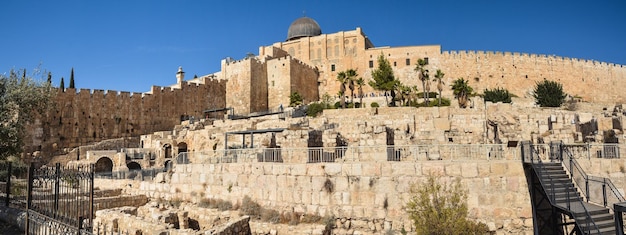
[(560, 193)]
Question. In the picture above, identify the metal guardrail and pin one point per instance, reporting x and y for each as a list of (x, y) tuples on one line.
[(450, 152), (537, 154), (143, 175), (598, 190)]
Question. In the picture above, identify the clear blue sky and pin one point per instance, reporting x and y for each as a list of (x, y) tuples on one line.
[(131, 45)]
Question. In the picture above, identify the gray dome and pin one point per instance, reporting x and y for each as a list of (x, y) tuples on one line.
[(303, 27)]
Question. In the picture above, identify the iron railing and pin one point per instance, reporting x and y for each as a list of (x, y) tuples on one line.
[(450, 152), (13, 184), (59, 199), (536, 155), (598, 190), (142, 175)]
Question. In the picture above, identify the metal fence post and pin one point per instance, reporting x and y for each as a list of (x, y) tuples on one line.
[(57, 172), (29, 197)]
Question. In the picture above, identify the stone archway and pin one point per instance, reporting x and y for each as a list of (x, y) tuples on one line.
[(133, 166), (168, 150), (104, 164), (182, 147)]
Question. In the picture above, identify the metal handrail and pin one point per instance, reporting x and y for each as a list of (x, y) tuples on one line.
[(539, 169), (611, 191), (450, 152)]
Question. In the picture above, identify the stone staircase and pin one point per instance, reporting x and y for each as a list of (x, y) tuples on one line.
[(565, 197)]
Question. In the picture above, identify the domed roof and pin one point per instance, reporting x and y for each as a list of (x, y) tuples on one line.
[(303, 27)]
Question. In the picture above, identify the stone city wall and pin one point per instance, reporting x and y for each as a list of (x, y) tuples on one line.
[(89, 116), (518, 72), (364, 191), (370, 196)]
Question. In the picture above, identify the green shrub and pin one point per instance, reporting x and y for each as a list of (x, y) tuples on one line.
[(314, 109), (431, 95), (295, 99), (549, 94), (374, 105), (437, 208), (497, 95), (337, 105)]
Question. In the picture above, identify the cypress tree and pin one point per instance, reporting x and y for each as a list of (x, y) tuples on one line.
[(72, 79), (62, 86)]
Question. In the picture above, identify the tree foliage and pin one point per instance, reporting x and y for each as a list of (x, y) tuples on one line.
[(295, 99), (72, 79), (497, 95), (461, 90), (346, 78), (549, 94), (439, 79), (437, 208), (422, 73), (384, 80), (21, 100), (62, 85)]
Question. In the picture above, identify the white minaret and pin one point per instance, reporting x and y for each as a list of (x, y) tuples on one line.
[(180, 75)]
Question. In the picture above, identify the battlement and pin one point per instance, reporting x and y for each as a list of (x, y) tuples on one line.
[(518, 55)]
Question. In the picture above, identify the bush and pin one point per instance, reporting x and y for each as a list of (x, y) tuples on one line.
[(295, 99), (431, 95), (314, 109), (374, 105), (441, 209), (249, 207), (497, 95), (549, 94), (432, 103), (337, 105)]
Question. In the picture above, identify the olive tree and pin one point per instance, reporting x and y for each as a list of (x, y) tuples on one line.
[(22, 99)]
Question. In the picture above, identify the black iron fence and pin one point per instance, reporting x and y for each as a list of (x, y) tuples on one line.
[(60, 199), (13, 184)]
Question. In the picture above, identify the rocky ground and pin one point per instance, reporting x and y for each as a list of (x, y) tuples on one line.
[(7, 229)]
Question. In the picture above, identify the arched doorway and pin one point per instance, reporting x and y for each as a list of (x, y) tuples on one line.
[(104, 164), (182, 147), (168, 150), (133, 166)]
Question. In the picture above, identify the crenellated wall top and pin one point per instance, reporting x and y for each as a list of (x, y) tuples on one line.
[(470, 53)]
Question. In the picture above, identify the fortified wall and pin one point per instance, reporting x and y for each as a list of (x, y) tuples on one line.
[(309, 66), (592, 81), (88, 116)]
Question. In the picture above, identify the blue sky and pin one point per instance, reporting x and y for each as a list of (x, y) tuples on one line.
[(131, 45)]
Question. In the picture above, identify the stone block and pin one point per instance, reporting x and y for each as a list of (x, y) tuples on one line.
[(453, 170), (469, 169), (371, 169), (442, 124), (332, 169)]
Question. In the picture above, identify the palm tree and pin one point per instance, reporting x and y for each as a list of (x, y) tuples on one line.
[(360, 83), (422, 73), (439, 79), (461, 91), (351, 76), (342, 78)]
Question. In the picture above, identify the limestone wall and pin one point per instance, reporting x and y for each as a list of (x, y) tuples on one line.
[(498, 194), (89, 116), (518, 72)]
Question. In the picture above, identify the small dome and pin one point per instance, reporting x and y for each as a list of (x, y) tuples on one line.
[(303, 27)]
